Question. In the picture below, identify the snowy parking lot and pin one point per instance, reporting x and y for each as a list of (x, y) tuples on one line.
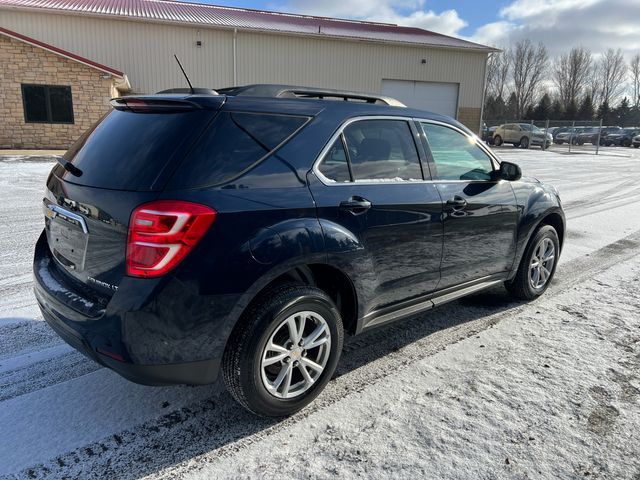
[(484, 387)]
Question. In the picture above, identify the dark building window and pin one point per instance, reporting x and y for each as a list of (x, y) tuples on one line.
[(47, 104)]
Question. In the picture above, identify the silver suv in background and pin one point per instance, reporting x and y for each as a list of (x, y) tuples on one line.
[(522, 135)]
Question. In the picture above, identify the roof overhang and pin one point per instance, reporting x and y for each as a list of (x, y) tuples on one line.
[(121, 80)]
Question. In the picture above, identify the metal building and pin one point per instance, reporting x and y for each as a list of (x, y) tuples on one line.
[(222, 46)]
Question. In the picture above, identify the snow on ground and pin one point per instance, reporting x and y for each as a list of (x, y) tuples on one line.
[(483, 387), (553, 392)]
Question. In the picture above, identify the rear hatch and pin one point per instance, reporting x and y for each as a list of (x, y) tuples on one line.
[(119, 164)]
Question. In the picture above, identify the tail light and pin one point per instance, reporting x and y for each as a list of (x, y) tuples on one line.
[(162, 233)]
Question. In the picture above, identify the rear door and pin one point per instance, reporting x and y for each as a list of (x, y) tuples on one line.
[(480, 214), (370, 183)]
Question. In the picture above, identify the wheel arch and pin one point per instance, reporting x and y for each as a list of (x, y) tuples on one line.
[(552, 217), (331, 280), (555, 220)]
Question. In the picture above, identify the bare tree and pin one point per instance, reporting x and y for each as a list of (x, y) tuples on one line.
[(571, 75), (497, 74), (528, 67), (634, 68), (611, 74)]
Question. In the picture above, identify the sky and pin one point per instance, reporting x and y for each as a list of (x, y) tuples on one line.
[(560, 24)]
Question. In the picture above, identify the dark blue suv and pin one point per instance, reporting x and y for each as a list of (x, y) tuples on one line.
[(247, 231)]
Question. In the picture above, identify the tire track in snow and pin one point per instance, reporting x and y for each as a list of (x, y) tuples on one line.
[(208, 430)]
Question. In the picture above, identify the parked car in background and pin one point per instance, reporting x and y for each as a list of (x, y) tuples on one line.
[(551, 131), (591, 134), (521, 135), (558, 131), (636, 141), (623, 138), (565, 135), (587, 135), (253, 232), (487, 134)]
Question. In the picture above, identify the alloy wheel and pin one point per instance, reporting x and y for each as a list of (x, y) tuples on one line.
[(295, 355), (542, 262)]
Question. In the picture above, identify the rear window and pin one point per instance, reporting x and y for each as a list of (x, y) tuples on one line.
[(234, 143), (130, 150)]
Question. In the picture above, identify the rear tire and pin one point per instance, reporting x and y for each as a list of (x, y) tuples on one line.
[(524, 142), (265, 357), (541, 255), (497, 140)]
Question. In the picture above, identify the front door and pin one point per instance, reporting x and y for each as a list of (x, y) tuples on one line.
[(480, 214), (370, 184)]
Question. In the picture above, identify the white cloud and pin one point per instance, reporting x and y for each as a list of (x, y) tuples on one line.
[(409, 13), (561, 24)]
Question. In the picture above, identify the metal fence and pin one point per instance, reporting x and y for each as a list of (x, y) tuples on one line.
[(566, 135)]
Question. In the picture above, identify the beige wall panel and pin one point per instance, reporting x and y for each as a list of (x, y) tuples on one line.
[(144, 51)]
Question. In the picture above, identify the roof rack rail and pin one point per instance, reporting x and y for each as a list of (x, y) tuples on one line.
[(292, 91)]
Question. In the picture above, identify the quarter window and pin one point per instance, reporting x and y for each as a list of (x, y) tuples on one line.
[(232, 144), (47, 104), (334, 165), (456, 156), (382, 150)]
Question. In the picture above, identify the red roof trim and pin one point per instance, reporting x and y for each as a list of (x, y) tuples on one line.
[(59, 51), (214, 16)]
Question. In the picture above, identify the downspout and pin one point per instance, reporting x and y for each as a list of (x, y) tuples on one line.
[(484, 92), (235, 60)]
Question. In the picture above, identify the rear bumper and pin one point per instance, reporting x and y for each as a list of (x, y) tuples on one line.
[(105, 337), (190, 373)]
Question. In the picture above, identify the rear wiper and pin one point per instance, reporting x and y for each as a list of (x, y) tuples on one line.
[(69, 167)]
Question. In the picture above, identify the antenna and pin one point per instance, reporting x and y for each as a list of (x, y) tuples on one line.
[(184, 73)]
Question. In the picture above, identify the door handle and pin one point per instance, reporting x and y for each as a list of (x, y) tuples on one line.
[(457, 203), (356, 205)]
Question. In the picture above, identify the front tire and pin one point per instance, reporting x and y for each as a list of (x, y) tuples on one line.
[(524, 142), (497, 140), (538, 265), (284, 350)]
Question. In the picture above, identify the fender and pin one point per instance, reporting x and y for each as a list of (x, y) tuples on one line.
[(535, 201), (277, 249), (303, 242)]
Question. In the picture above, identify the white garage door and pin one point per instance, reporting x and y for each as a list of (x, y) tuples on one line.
[(432, 96)]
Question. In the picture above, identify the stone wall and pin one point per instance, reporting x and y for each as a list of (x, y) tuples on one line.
[(23, 63)]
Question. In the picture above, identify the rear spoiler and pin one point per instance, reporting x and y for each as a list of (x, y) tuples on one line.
[(168, 103)]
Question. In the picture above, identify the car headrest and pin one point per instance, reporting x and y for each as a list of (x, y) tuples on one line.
[(373, 149)]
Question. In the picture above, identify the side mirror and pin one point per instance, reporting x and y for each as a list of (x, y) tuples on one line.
[(508, 171)]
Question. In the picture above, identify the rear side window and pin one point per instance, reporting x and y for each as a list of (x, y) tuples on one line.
[(382, 150), (234, 143), (128, 150)]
